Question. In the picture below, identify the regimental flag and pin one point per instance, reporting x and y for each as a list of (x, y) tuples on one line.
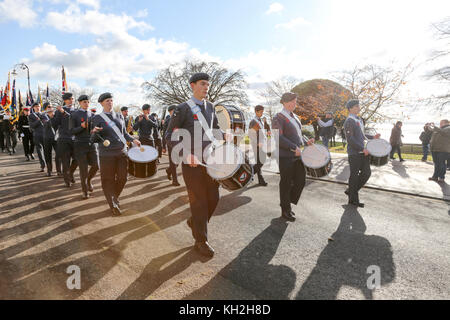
[(13, 107), (64, 81), (39, 97), (1, 94), (47, 94), (30, 99), (6, 99), (20, 104)]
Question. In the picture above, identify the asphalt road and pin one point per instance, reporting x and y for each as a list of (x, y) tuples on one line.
[(147, 253)]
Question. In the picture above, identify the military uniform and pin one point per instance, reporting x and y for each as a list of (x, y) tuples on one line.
[(257, 137), (85, 151), (50, 144), (167, 136), (203, 191), (27, 138), (65, 145), (113, 159), (9, 132), (37, 125), (145, 129), (2, 136)]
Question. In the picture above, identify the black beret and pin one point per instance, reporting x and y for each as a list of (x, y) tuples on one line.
[(199, 76), (124, 109), (46, 105), (35, 104), (146, 107), (67, 96), (351, 103), (83, 97), (104, 96), (172, 107), (288, 97), (154, 115), (259, 108)]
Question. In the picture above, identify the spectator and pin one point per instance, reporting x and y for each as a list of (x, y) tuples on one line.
[(326, 128), (440, 149), (425, 137), (396, 140)]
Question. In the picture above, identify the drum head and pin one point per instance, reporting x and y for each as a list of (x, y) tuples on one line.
[(224, 118), (148, 155), (316, 156), (379, 147), (224, 161)]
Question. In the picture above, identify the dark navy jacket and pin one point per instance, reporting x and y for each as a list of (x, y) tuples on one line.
[(355, 136), (82, 135), (36, 122), (166, 135), (145, 127), (49, 131), (62, 124), (286, 134), (116, 147), (183, 118)]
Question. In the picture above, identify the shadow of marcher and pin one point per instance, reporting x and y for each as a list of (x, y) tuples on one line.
[(345, 261), (153, 276), (400, 169), (343, 168), (252, 271)]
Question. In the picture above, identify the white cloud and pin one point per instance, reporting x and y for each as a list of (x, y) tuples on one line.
[(142, 13), (73, 20), (274, 8), (293, 23), (18, 10), (92, 3)]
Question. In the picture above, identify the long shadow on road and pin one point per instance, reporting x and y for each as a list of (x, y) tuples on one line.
[(345, 261)]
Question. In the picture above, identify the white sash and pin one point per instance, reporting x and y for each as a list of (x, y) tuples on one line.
[(113, 125), (196, 110), (261, 125), (295, 123), (361, 125)]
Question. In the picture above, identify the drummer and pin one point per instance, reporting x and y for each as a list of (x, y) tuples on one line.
[(358, 155), (203, 191), (258, 138), (110, 133), (145, 127), (290, 139)]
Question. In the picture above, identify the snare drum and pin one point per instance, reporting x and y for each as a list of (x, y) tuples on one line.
[(317, 161), (379, 150), (230, 167), (142, 164)]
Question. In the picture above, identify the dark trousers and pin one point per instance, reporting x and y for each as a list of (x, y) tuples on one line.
[(440, 166), (11, 140), (39, 146), (65, 150), (396, 148), (113, 172), (49, 145), (360, 173), (257, 167), (292, 182), (426, 151), (147, 142), (158, 144), (203, 194), (2, 138), (86, 155), (172, 167), (28, 144)]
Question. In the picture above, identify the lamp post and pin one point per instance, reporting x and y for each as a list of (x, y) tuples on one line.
[(23, 66)]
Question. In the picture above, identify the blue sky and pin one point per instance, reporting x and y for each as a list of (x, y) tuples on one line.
[(116, 45)]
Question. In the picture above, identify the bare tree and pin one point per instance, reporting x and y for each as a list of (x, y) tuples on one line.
[(441, 74), (171, 85), (273, 91), (55, 96), (375, 86)]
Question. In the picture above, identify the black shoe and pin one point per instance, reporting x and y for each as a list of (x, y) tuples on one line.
[(32, 157), (42, 169), (357, 204), (67, 184), (10, 153), (14, 150), (169, 175), (85, 195), (263, 184), (288, 216), (72, 180), (49, 174), (28, 157), (347, 192), (116, 211), (433, 179), (90, 186), (175, 184), (204, 249), (402, 160)]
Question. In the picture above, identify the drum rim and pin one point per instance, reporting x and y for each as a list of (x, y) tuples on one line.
[(145, 147), (234, 171), (375, 141), (324, 165)]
